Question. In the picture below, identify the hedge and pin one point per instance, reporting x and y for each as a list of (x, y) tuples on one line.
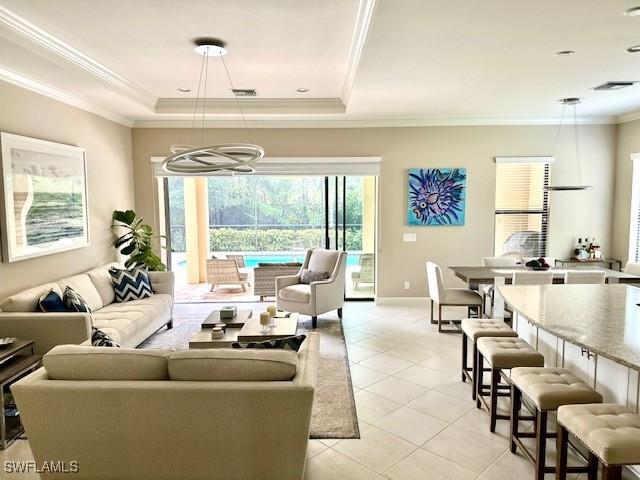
[(264, 240)]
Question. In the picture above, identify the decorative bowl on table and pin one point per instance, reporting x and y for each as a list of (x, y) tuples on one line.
[(538, 264), (6, 342)]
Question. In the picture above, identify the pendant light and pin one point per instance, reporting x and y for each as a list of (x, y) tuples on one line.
[(204, 159), (572, 101)]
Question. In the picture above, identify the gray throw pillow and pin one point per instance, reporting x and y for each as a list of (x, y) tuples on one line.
[(308, 276)]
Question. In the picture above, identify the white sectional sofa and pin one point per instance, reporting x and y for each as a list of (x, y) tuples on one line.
[(128, 323), (227, 414)]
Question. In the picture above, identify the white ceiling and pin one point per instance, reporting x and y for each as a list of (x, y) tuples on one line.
[(365, 62)]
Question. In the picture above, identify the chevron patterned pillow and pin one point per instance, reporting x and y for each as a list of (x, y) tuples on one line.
[(74, 302), (130, 284), (287, 343)]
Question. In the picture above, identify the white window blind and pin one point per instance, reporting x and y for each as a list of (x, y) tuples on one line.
[(634, 221), (522, 208)]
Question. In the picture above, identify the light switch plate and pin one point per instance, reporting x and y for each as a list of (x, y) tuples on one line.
[(409, 237)]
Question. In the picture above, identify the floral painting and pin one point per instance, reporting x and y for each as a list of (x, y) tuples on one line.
[(436, 196)]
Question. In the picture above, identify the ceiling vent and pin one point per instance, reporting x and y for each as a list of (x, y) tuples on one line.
[(245, 92), (614, 85)]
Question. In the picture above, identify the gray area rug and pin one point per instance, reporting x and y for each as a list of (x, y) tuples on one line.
[(334, 410)]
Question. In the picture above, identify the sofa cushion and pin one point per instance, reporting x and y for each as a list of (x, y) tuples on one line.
[(101, 339), (74, 301), (83, 285), (323, 260), (52, 302), (27, 300), (77, 362), (122, 321), (287, 343), (221, 364), (133, 284), (300, 293), (102, 281)]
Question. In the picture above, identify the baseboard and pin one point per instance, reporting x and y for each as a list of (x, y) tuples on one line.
[(403, 301)]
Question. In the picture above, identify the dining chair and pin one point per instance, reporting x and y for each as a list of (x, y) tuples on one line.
[(585, 276), (450, 297), (506, 260), (632, 267), (532, 278)]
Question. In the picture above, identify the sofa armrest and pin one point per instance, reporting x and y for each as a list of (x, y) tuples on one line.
[(163, 282), (47, 329), (286, 281)]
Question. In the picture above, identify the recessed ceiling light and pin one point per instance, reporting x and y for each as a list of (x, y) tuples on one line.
[(634, 49), (184, 90), (633, 12), (302, 90), (564, 53)]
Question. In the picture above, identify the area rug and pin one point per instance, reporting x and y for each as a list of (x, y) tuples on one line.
[(334, 410)]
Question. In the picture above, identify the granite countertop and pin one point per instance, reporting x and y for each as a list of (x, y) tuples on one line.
[(605, 319)]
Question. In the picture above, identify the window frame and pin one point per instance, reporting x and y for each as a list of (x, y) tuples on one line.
[(544, 212), (633, 254)]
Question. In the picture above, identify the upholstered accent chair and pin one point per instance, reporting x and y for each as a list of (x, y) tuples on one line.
[(319, 297)]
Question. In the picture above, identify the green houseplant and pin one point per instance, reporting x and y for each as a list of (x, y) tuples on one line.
[(136, 241)]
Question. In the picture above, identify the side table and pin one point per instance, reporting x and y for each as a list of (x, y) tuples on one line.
[(16, 362)]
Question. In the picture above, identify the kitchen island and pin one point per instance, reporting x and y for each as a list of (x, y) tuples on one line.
[(592, 330)]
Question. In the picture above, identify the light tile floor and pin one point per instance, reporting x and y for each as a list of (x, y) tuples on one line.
[(416, 417)]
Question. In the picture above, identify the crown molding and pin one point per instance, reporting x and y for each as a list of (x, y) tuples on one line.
[(344, 122), (252, 106), (364, 20), (57, 47), (19, 80), (628, 117)]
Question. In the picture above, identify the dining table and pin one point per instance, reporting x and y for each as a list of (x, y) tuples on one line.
[(474, 275)]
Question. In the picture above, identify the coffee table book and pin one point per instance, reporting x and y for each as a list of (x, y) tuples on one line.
[(237, 322)]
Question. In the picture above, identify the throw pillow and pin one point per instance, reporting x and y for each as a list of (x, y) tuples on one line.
[(74, 302), (308, 276), (131, 284), (101, 339), (51, 302), (287, 343)]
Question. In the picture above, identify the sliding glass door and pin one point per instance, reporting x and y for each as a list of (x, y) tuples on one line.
[(272, 219)]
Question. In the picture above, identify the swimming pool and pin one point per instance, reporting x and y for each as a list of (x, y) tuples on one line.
[(252, 260)]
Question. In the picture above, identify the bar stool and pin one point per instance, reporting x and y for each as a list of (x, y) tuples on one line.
[(502, 353), (473, 329), (547, 389), (610, 432)]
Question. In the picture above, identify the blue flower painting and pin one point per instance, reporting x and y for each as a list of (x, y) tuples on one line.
[(436, 196)]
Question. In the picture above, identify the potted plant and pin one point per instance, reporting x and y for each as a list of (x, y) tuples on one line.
[(136, 241)]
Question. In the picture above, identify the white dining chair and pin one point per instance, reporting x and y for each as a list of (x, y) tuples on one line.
[(585, 276), (452, 297), (532, 278), (506, 260), (632, 268)]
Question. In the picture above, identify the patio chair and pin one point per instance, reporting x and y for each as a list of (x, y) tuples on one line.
[(238, 258), (225, 272), (366, 272)]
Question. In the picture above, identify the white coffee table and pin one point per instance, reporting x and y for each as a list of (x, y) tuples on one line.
[(249, 332)]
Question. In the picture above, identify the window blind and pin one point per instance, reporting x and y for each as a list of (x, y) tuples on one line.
[(522, 208), (634, 221)]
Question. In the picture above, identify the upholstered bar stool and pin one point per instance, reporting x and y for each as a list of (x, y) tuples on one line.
[(610, 432), (546, 389), (473, 329), (502, 353)]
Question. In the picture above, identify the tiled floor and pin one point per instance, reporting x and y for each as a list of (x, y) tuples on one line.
[(417, 419)]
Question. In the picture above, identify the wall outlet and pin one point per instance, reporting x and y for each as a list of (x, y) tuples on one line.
[(409, 237), (407, 285)]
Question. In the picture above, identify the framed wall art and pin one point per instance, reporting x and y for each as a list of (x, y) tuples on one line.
[(44, 197), (437, 196)]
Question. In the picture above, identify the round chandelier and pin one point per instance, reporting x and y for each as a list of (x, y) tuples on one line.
[(210, 159)]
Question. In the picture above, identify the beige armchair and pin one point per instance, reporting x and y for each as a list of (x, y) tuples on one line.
[(317, 297), (226, 272)]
